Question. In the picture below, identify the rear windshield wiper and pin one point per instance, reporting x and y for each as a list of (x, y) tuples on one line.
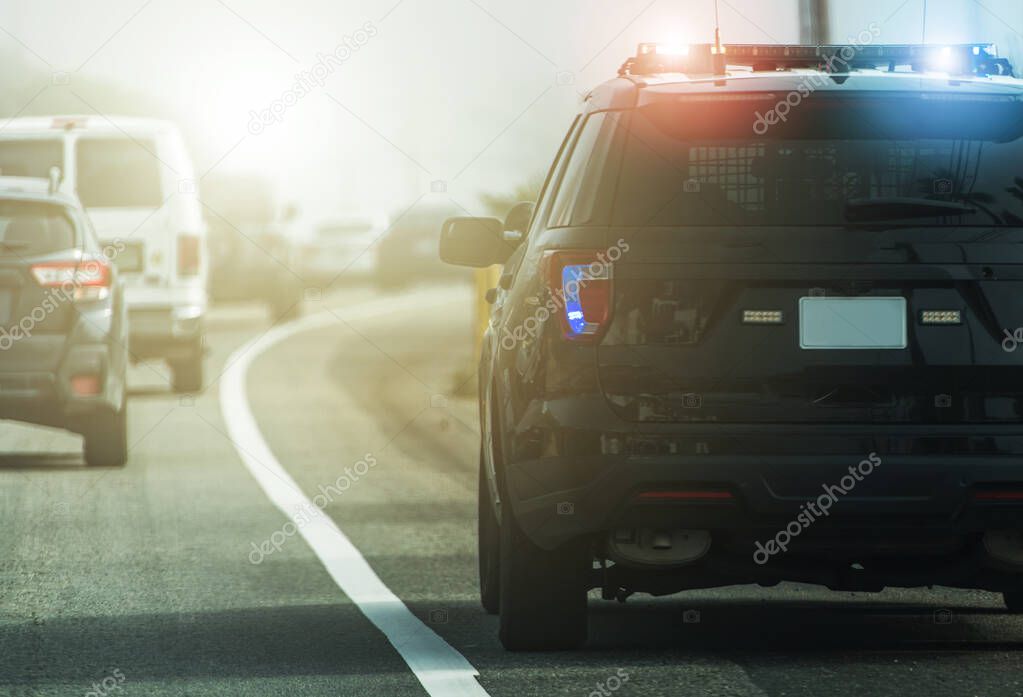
[(868, 210), (13, 246)]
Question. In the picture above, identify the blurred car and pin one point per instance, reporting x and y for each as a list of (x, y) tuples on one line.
[(63, 322), (342, 249), (252, 254), (135, 179), (732, 354), (407, 254)]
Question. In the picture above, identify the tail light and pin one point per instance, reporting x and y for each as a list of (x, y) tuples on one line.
[(85, 281), (86, 385), (580, 285), (189, 253)]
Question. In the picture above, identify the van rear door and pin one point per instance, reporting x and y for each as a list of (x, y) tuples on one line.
[(120, 182)]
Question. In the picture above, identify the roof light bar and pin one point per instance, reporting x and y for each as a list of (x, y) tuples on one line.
[(67, 123), (980, 59), (670, 49)]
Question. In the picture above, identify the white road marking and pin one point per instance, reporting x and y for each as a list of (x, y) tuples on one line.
[(442, 670)]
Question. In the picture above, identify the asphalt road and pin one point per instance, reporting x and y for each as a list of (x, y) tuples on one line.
[(148, 580)]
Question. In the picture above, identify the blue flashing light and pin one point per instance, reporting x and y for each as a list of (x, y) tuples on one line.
[(573, 277)]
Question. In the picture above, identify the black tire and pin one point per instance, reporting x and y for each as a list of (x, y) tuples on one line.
[(1014, 601), (187, 374), (542, 593), (106, 438), (489, 547)]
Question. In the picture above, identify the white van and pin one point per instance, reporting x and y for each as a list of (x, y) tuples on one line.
[(135, 179)]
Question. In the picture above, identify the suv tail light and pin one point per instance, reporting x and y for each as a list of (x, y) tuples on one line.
[(189, 250), (85, 281), (580, 285), (86, 385)]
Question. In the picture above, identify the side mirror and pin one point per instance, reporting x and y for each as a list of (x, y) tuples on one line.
[(516, 224), (476, 242)]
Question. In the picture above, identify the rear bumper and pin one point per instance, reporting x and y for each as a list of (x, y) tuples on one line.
[(346, 265), (915, 520), (165, 332), (576, 451), (45, 397), (905, 492)]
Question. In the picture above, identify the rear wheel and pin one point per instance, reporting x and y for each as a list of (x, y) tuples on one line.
[(1014, 601), (187, 372), (489, 542), (106, 438), (542, 593)]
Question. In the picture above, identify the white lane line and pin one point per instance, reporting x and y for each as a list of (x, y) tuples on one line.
[(442, 670)]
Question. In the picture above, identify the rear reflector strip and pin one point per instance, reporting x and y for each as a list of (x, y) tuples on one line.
[(1004, 495), (941, 317), (721, 496), (763, 317)]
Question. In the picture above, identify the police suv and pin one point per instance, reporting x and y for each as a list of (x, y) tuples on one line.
[(763, 326)]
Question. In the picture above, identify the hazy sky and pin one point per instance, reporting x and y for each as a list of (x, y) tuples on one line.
[(461, 91)]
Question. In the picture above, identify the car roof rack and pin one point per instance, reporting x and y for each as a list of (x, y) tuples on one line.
[(979, 60)]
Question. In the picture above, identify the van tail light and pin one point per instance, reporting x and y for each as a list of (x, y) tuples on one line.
[(580, 284), (189, 253), (82, 281)]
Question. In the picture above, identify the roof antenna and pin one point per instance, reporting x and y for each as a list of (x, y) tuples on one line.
[(720, 62), (923, 32)]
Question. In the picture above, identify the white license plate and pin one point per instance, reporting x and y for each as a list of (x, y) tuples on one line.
[(852, 323)]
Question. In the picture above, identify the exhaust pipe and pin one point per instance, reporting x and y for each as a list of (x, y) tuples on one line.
[(1005, 547), (647, 547)]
